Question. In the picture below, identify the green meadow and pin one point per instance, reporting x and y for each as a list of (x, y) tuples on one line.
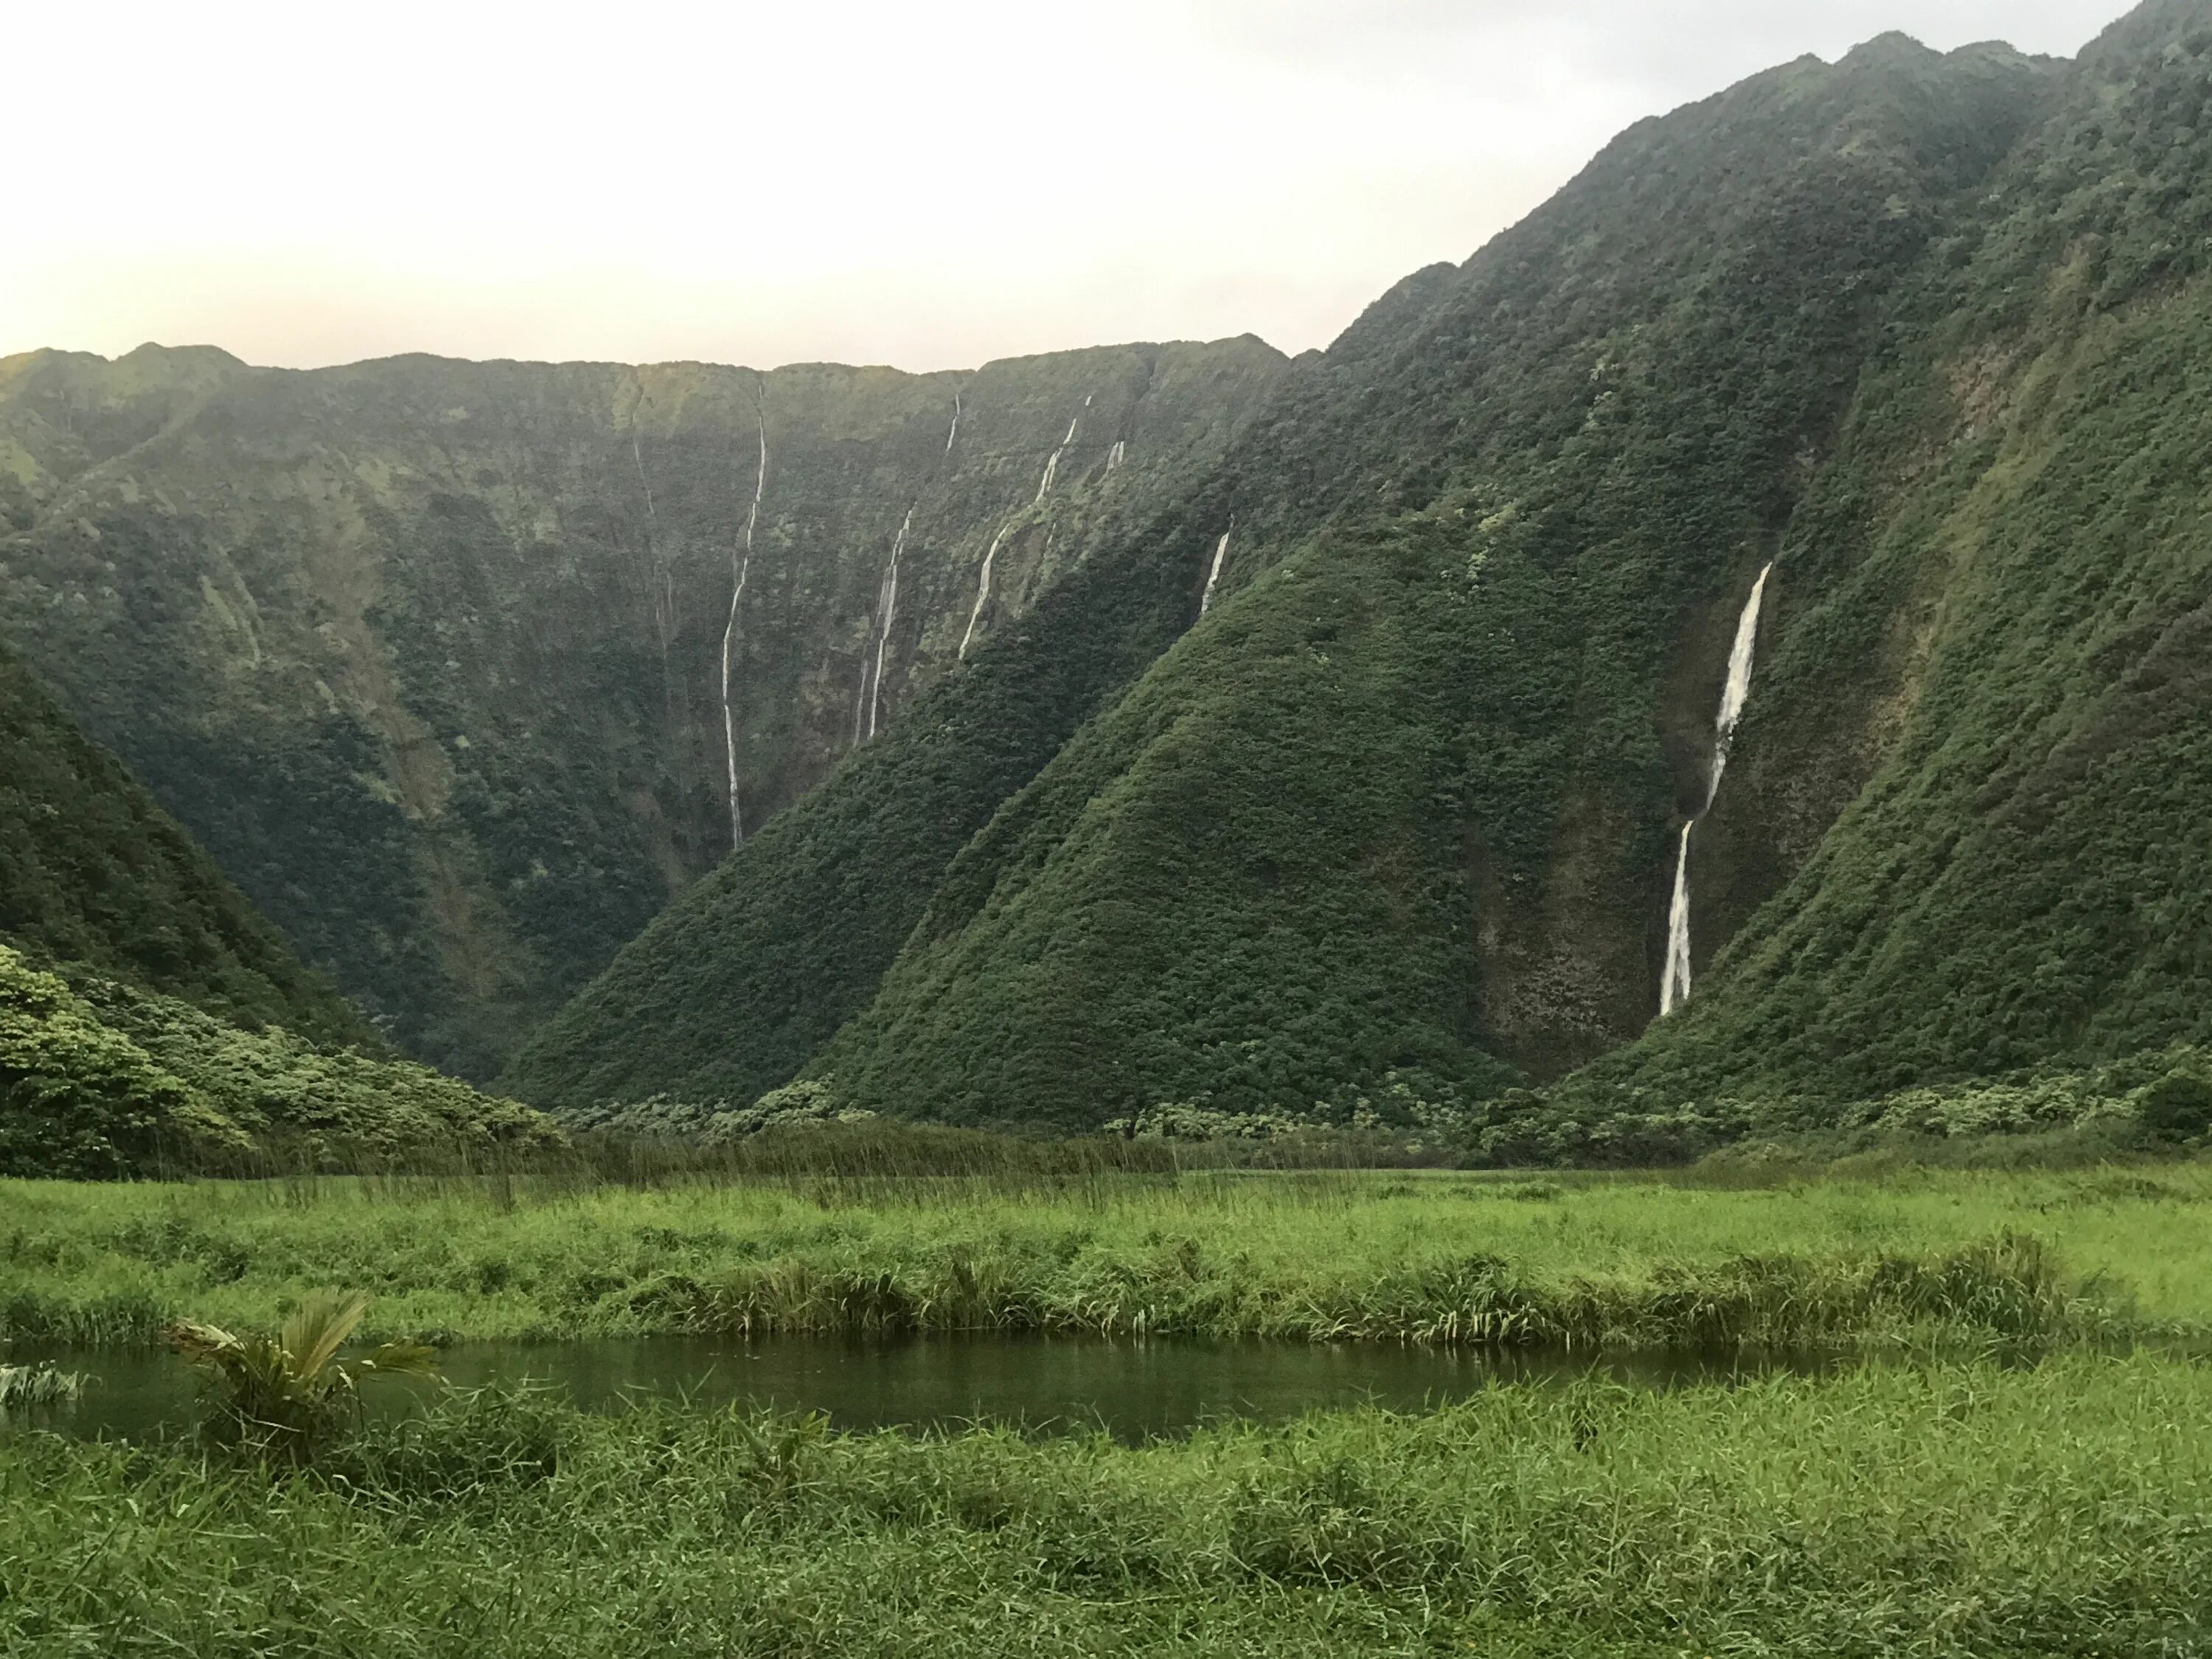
[(1381, 1256)]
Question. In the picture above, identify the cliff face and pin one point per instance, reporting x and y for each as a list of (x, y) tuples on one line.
[(430, 655)]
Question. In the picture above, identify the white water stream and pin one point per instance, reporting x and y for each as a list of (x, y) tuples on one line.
[(1675, 982), (744, 564), (983, 593), (867, 710), (1044, 486), (1221, 552), (890, 613)]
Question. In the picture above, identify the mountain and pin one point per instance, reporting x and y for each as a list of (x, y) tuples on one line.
[(430, 655), (1963, 834), (1385, 825), (149, 1014), (1777, 570)]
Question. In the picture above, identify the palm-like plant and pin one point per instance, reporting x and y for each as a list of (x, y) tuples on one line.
[(288, 1396)]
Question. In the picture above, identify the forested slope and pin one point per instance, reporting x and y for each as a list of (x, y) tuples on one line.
[(1388, 822), (1995, 631), (149, 1015)]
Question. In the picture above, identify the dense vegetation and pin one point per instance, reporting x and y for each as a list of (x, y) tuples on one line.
[(429, 654), (1967, 1256), (1966, 1509), (93, 872), (1376, 832), (103, 1079), (2019, 881), (151, 1019)]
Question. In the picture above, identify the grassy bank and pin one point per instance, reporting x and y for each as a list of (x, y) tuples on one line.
[(1955, 1510), (1374, 1255)]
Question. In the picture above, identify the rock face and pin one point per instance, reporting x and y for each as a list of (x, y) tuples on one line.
[(430, 654)]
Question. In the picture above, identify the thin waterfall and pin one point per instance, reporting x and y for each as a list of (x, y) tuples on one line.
[(867, 708), (744, 564), (1116, 455), (891, 610), (1675, 982), (1044, 484), (1221, 552), (983, 593)]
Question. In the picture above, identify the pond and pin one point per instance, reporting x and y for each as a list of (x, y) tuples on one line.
[(1133, 1389)]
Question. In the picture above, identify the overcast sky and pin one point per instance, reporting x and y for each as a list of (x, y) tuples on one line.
[(929, 184)]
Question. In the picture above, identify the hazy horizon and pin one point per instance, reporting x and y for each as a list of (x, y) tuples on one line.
[(859, 184)]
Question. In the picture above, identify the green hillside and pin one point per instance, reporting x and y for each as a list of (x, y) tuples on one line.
[(92, 871), (1323, 740), (429, 655), (1995, 622), (150, 1018)]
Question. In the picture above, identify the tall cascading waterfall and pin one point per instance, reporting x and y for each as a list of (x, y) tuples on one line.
[(1052, 462), (1675, 982), (742, 568), (1212, 576), (890, 612), (983, 593), (867, 708), (1044, 487)]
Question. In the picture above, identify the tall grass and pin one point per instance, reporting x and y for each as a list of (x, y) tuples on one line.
[(25, 1386), (1964, 1508), (1403, 1256)]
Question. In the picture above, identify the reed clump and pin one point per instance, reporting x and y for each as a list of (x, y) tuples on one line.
[(23, 1387)]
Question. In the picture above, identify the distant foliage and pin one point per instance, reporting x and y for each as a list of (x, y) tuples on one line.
[(102, 1081), (79, 1100)]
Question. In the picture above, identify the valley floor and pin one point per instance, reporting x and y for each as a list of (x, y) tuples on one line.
[(2011, 1461)]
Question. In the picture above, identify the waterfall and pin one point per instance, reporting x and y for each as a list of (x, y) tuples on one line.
[(742, 564), (883, 635), (1116, 456), (1675, 983), (868, 707), (983, 593), (1044, 484), (1221, 552), (1052, 462)]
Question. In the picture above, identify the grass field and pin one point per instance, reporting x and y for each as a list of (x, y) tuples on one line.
[(1384, 1255), (1887, 1510)]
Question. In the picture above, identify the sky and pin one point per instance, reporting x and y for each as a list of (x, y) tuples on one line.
[(929, 186)]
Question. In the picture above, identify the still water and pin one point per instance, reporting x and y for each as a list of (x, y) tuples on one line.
[(1131, 1389)]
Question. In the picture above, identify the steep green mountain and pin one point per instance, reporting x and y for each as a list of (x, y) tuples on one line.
[(447, 664), (1390, 824), (1995, 632), (147, 1012)]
